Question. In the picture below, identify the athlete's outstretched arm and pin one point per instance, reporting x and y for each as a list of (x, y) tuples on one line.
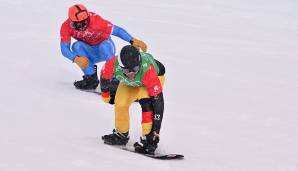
[(121, 33)]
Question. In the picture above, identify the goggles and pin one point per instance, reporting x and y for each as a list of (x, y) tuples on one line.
[(128, 70), (80, 25)]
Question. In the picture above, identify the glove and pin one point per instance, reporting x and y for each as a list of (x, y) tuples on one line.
[(82, 61), (139, 44), (105, 96)]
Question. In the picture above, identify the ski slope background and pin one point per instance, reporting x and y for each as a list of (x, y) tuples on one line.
[(231, 88)]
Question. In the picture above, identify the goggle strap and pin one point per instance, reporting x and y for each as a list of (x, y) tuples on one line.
[(120, 62)]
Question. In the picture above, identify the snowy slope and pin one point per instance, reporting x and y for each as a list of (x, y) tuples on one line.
[(230, 97)]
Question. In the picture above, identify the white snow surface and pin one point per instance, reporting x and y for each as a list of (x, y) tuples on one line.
[(231, 87)]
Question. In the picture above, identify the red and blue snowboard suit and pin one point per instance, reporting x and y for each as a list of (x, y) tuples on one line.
[(94, 43)]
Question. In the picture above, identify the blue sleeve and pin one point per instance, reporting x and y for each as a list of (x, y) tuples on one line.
[(120, 32), (65, 50)]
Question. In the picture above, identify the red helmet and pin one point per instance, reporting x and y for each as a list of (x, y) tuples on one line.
[(77, 13)]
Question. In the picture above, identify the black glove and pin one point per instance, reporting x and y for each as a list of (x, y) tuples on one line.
[(109, 86)]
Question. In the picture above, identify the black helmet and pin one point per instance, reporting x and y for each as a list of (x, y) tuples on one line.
[(130, 59)]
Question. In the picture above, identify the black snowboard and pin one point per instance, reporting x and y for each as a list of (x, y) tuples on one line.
[(97, 92), (160, 156)]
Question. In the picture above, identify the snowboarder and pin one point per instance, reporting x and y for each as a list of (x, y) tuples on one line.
[(141, 78), (93, 44)]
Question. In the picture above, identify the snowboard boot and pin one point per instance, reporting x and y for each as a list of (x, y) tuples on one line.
[(116, 138), (89, 82), (148, 144)]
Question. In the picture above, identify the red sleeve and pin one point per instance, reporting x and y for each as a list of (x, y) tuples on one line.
[(107, 70), (64, 32), (104, 25), (152, 82)]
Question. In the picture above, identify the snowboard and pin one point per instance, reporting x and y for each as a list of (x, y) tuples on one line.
[(97, 92), (157, 155)]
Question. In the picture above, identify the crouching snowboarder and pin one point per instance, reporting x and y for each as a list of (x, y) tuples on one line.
[(141, 78), (94, 43)]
